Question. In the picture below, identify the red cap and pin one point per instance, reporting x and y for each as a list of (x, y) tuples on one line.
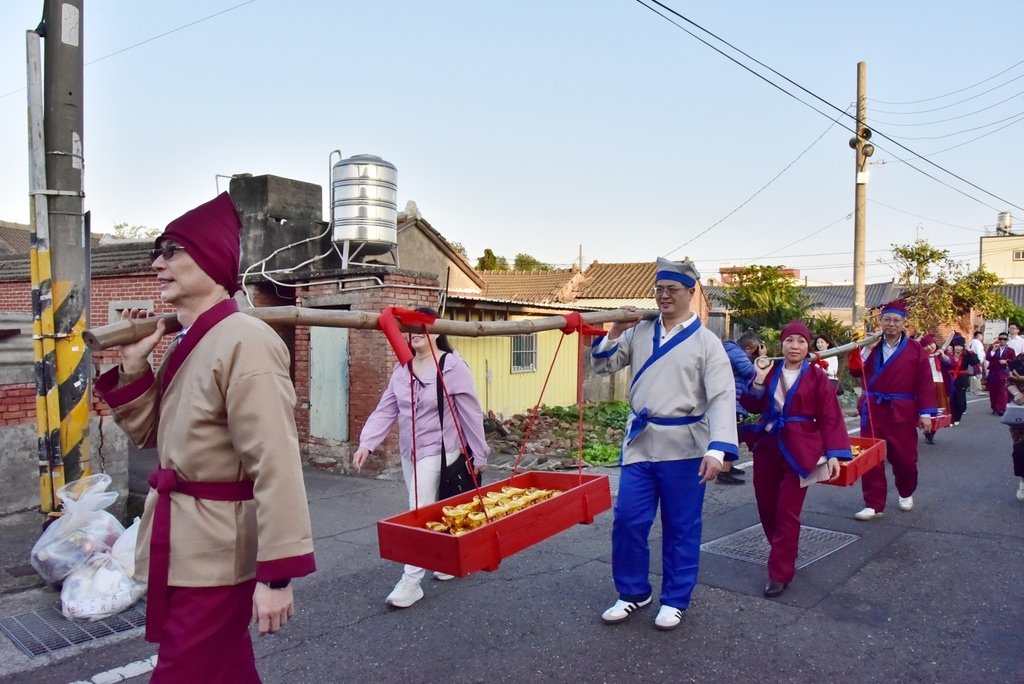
[(211, 235), (795, 328)]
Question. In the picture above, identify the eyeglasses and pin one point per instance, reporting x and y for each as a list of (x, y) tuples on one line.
[(670, 291), (891, 319), (167, 250), (1004, 339)]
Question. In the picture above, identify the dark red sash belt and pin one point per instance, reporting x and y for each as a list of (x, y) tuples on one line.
[(165, 481)]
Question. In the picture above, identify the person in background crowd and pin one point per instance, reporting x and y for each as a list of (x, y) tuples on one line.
[(898, 396), (1016, 390), (831, 364), (939, 380), (978, 374), (417, 381), (998, 357), (957, 363), (803, 438), (681, 426), (226, 524), (741, 355), (1015, 341)]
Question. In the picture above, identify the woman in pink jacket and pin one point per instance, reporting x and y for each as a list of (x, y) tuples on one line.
[(417, 382)]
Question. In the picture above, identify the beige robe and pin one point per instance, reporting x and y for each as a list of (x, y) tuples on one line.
[(226, 415)]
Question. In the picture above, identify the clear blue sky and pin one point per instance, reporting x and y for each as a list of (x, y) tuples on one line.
[(539, 126)]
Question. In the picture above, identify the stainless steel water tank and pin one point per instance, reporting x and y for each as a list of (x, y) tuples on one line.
[(364, 204), (1004, 223)]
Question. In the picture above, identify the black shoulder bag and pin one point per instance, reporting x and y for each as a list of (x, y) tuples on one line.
[(455, 478)]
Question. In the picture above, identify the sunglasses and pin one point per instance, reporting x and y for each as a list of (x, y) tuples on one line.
[(1004, 339), (166, 251)]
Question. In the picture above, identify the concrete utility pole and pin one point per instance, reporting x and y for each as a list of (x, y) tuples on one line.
[(69, 235), (862, 149)]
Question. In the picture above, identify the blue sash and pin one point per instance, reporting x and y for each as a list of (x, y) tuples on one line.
[(643, 417)]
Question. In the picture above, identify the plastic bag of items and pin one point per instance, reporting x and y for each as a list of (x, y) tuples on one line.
[(100, 588), (83, 530)]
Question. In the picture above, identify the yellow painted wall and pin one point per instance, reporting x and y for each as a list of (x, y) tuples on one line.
[(507, 393), (997, 256)]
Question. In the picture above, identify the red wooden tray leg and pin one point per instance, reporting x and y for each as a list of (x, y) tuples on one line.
[(497, 554), (588, 517)]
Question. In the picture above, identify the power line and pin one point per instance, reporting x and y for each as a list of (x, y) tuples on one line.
[(939, 97), (150, 40), (822, 100), (747, 201), (954, 104), (953, 118)]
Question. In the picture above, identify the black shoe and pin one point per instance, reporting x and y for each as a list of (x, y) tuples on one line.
[(728, 478), (774, 589), (929, 437)]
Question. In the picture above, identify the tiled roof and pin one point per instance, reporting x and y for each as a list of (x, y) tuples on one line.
[(826, 297), (618, 281), (1015, 293), (555, 285), (107, 260), (14, 238)]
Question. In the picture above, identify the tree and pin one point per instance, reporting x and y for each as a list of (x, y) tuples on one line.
[(764, 297), (122, 231), (525, 262), (460, 248), (490, 262), (939, 291)]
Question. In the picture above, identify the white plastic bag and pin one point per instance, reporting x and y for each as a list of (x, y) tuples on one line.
[(83, 529), (123, 549), (98, 589)]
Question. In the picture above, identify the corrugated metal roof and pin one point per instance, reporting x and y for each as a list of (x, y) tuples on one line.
[(121, 258)]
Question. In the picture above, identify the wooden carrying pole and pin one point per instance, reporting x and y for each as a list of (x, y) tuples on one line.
[(828, 353), (127, 331)]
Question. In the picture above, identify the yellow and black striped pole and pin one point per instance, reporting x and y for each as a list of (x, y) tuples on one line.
[(51, 471)]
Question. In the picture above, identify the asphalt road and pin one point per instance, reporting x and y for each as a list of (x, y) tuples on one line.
[(931, 595)]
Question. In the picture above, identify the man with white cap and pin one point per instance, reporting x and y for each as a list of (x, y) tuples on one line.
[(899, 396), (681, 426), (226, 523)]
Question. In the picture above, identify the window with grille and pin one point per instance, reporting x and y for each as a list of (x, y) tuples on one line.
[(524, 353), (1018, 255)]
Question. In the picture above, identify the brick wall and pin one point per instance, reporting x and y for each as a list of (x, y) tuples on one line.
[(370, 359), (17, 404)]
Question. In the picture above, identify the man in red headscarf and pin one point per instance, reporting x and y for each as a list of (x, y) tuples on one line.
[(899, 396), (226, 525)]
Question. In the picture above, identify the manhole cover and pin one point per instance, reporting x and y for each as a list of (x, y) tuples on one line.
[(47, 630), (751, 546)]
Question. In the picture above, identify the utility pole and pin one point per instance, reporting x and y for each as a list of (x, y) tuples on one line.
[(68, 228), (862, 149)]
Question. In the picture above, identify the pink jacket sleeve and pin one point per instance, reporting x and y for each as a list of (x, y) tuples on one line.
[(379, 424), (459, 383)]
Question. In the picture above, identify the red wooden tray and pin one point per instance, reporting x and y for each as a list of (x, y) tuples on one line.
[(872, 453), (941, 421), (404, 538)]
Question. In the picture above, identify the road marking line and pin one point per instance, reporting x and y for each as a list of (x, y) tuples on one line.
[(123, 673)]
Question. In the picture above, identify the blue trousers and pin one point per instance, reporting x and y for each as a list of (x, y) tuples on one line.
[(642, 486)]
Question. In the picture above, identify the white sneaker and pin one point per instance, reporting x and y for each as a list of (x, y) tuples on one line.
[(621, 610), (1020, 491), (443, 576), (405, 593), (668, 618), (867, 513), (906, 503)]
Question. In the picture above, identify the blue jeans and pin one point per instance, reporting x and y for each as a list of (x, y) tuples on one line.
[(676, 485)]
